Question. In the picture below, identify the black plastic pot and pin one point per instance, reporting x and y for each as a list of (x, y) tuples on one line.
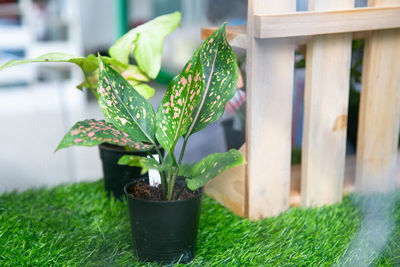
[(164, 231), (117, 176), (233, 138)]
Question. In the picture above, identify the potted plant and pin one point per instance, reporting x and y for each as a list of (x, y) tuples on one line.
[(145, 44), (164, 218)]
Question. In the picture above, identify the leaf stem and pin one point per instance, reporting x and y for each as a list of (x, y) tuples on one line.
[(162, 173), (185, 140), (180, 192), (172, 185)]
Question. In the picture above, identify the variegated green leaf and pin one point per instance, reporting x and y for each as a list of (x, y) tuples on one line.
[(197, 96), (93, 132), (123, 106), (130, 72), (213, 165), (137, 161), (146, 41), (220, 72), (174, 113)]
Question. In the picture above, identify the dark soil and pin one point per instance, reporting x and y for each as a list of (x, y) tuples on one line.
[(143, 190)]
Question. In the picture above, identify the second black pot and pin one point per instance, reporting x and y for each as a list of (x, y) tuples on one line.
[(233, 138), (117, 176), (164, 231)]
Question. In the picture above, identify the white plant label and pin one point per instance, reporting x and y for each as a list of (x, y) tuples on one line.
[(154, 175)]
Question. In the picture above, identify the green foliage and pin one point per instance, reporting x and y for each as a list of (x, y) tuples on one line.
[(93, 133), (137, 161), (143, 89), (220, 69), (123, 106), (146, 41), (174, 112), (211, 166), (195, 98), (87, 65), (78, 225)]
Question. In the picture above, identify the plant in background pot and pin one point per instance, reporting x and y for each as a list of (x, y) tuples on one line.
[(164, 218), (145, 44)]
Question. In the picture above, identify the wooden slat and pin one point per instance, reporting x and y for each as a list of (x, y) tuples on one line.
[(325, 112), (237, 36), (349, 178), (268, 117), (379, 111), (229, 188), (326, 22)]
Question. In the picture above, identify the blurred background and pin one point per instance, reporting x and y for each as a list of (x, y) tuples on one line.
[(39, 102)]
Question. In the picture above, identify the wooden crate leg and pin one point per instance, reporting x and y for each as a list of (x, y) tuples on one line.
[(325, 112), (379, 110), (379, 113), (269, 108)]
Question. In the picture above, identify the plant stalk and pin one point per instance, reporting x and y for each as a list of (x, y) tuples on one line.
[(162, 174), (180, 192), (172, 185), (185, 140)]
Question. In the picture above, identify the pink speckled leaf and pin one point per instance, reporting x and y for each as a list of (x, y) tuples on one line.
[(211, 166), (123, 106), (197, 96), (220, 72), (174, 113), (93, 132)]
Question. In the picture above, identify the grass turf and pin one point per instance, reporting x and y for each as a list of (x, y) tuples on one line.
[(77, 225)]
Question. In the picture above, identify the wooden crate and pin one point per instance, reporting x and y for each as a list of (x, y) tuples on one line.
[(268, 185)]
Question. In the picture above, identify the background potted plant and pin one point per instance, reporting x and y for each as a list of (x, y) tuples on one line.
[(145, 44), (164, 219)]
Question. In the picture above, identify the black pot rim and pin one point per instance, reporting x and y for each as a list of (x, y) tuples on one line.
[(199, 195)]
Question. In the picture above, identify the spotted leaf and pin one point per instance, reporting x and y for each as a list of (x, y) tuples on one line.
[(213, 165), (137, 161), (220, 74), (174, 113), (123, 106), (197, 96), (93, 132)]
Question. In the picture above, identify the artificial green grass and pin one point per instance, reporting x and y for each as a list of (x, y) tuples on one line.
[(77, 225)]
